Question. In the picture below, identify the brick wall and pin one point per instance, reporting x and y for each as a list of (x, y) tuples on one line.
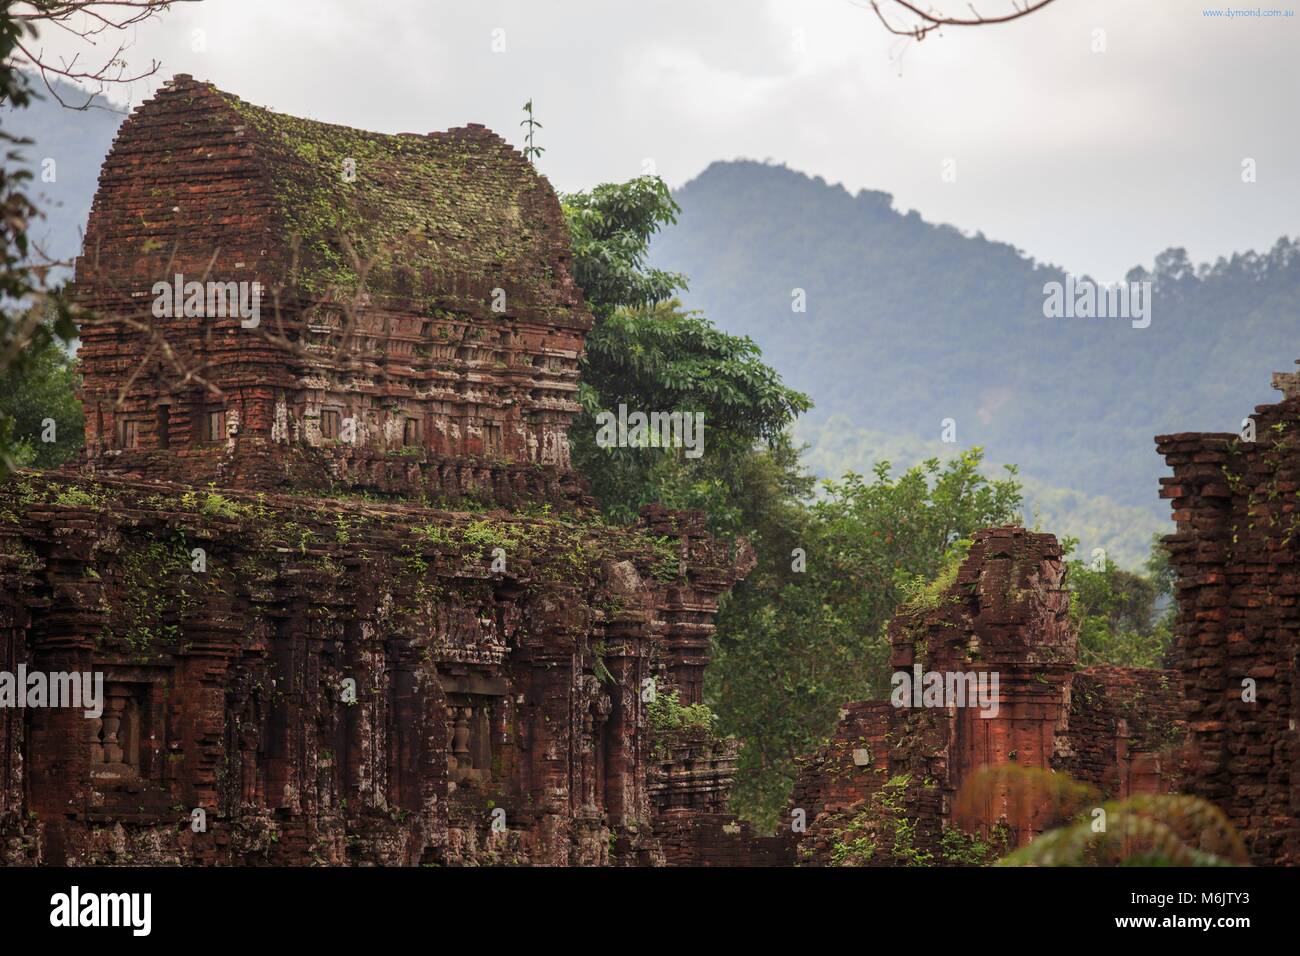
[(476, 690), (1238, 577)]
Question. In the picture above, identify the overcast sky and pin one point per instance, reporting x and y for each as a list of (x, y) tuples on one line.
[(1091, 160)]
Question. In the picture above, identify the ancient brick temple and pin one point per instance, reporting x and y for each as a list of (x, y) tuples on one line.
[(331, 307), (888, 781), (347, 599), (1235, 499)]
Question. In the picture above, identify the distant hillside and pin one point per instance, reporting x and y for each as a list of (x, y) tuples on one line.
[(909, 323), (77, 141)]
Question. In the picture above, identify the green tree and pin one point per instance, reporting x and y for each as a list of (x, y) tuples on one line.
[(1116, 611), (611, 227), (661, 358), (38, 393), (793, 646), (649, 354), (23, 334)]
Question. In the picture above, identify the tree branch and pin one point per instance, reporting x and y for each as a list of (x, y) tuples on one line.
[(94, 18), (926, 20)]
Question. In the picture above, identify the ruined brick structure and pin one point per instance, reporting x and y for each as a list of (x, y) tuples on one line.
[(1006, 612), (690, 785), (418, 326), (308, 656), (473, 691), (1234, 499)]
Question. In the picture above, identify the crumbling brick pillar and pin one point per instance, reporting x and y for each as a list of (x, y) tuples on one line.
[(1235, 500), (1005, 619)]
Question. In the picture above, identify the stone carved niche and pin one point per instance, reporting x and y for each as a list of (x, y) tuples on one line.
[(475, 727), (116, 736)]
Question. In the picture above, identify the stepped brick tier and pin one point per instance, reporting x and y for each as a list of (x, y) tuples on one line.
[(333, 682), (419, 328), (883, 791), (690, 781), (1235, 499)]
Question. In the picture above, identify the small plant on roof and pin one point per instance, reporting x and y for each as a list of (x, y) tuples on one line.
[(532, 152)]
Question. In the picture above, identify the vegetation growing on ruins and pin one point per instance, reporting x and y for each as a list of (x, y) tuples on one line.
[(793, 645), (155, 591), (959, 848), (375, 207), (884, 829), (670, 721), (154, 585), (667, 714), (803, 634)]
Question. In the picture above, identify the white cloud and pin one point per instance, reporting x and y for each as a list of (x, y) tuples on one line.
[(1094, 161)]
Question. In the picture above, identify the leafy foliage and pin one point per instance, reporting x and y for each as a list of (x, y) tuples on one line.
[(667, 713), (42, 386), (839, 444), (660, 358), (532, 152), (1141, 830), (671, 721), (611, 227), (1115, 612), (1023, 789), (885, 822), (792, 646), (32, 316), (649, 354)]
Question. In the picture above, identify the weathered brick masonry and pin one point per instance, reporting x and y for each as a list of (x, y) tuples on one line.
[(690, 784), (517, 690), (352, 605), (419, 328), (1234, 502)]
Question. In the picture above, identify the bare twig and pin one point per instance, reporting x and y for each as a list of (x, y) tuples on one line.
[(88, 20), (921, 21)]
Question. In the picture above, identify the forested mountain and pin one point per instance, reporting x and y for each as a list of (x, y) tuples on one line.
[(908, 323)]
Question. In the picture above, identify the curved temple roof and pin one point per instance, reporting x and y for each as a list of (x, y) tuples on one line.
[(439, 220)]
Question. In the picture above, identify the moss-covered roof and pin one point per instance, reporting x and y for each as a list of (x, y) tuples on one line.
[(443, 219)]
